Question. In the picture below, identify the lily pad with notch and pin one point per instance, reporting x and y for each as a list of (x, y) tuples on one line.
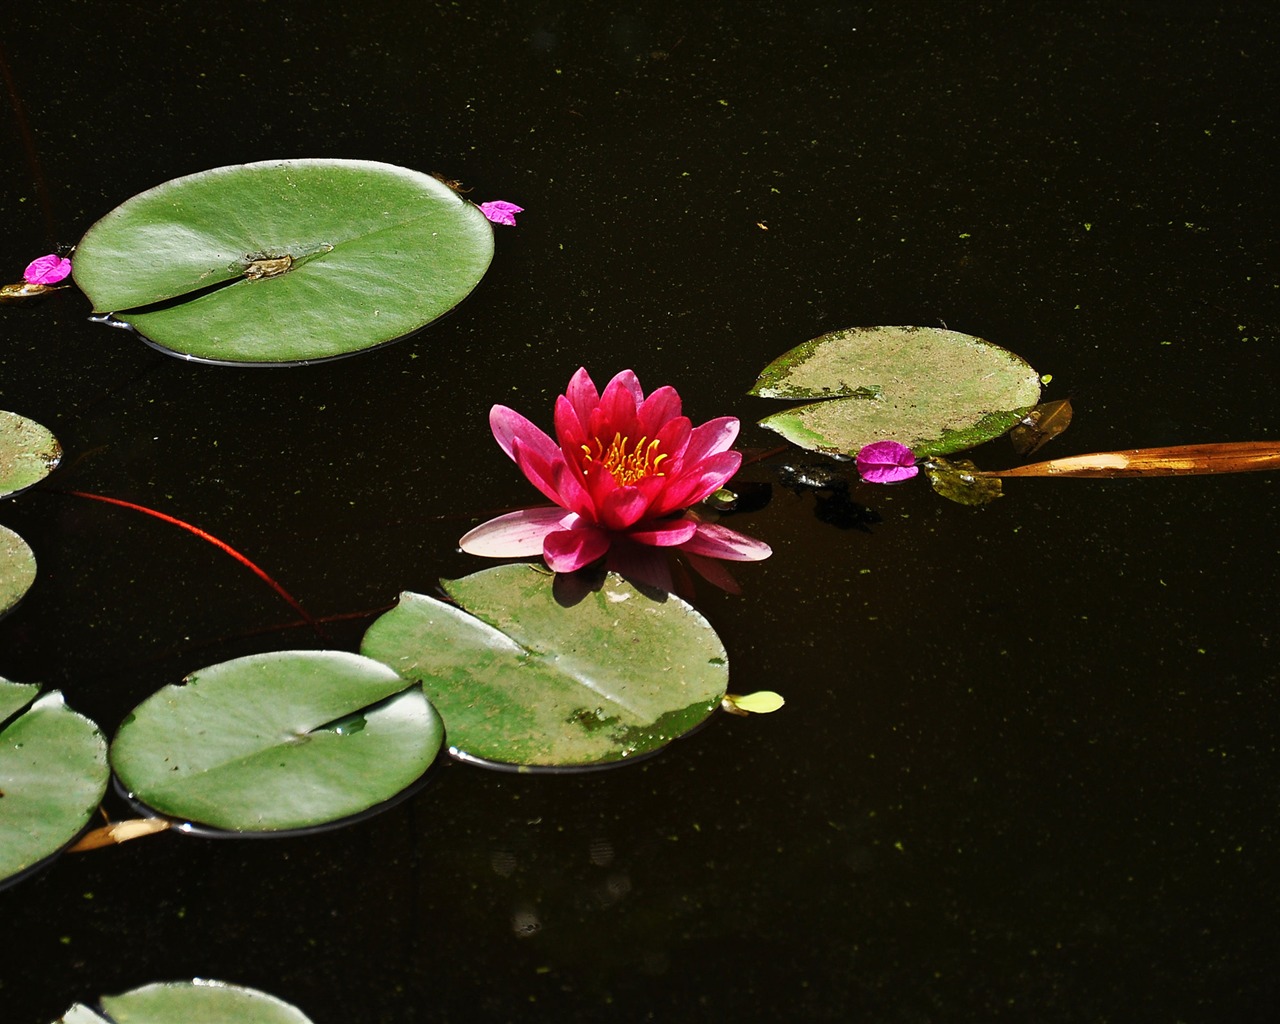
[(527, 683), (284, 261), (933, 390), (28, 453), (279, 741)]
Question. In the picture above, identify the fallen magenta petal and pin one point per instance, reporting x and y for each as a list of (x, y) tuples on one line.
[(47, 269), (501, 212), (886, 462), (515, 535)]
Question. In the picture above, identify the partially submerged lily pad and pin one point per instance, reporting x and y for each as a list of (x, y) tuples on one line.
[(188, 1002), (933, 390), (284, 261), (17, 569), (284, 740), (28, 453), (53, 772), (522, 680)]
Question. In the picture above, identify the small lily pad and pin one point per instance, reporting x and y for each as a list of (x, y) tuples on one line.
[(284, 261), (17, 569), (522, 680), (53, 772), (284, 740), (933, 390), (28, 453), (188, 1002)]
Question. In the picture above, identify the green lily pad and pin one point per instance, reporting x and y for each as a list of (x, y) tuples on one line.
[(315, 259), (188, 1002), (933, 390), (283, 740), (17, 569), (28, 453), (53, 772), (524, 681)]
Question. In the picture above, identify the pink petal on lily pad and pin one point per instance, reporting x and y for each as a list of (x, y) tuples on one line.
[(47, 269), (501, 212), (886, 462)]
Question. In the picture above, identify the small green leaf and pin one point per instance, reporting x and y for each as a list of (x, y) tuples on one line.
[(523, 680), (276, 741), (315, 259), (53, 772), (933, 390), (762, 702), (28, 453)]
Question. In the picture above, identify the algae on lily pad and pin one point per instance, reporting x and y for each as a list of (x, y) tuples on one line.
[(283, 740), (523, 681), (284, 261), (188, 1002), (53, 772), (28, 453), (17, 568), (935, 391)]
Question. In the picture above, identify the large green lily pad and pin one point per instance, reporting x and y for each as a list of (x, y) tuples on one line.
[(316, 258), (28, 453), (188, 1002), (524, 681), (283, 740), (53, 772), (17, 568), (933, 390)]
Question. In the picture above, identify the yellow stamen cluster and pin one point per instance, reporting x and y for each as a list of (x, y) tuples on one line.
[(627, 463)]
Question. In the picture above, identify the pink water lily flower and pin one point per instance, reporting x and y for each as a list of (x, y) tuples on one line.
[(622, 471)]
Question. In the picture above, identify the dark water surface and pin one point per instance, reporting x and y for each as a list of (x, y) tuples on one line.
[(1028, 765)]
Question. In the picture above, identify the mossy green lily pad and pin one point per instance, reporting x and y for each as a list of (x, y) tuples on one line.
[(28, 453), (284, 261), (524, 681), (188, 1002), (17, 569), (933, 390)]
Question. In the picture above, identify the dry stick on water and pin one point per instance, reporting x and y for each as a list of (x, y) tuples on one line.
[(1178, 460)]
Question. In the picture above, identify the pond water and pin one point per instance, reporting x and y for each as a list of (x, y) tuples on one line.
[(1027, 769)]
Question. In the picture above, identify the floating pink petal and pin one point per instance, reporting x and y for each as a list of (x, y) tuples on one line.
[(886, 462), (622, 471), (501, 212), (47, 269)]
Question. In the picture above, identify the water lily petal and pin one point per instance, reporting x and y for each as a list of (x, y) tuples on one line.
[(47, 269), (507, 425), (582, 395), (501, 212), (538, 471), (622, 507), (720, 542), (664, 533), (627, 379), (516, 534), (656, 410), (712, 437), (697, 482), (886, 462), (573, 495), (567, 550)]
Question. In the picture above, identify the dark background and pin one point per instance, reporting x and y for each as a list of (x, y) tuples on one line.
[(1028, 765)]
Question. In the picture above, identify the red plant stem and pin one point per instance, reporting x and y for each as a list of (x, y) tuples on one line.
[(220, 544)]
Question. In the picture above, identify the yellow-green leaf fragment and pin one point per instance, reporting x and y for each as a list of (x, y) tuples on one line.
[(762, 702)]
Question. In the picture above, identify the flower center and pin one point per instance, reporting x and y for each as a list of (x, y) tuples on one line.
[(627, 463)]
